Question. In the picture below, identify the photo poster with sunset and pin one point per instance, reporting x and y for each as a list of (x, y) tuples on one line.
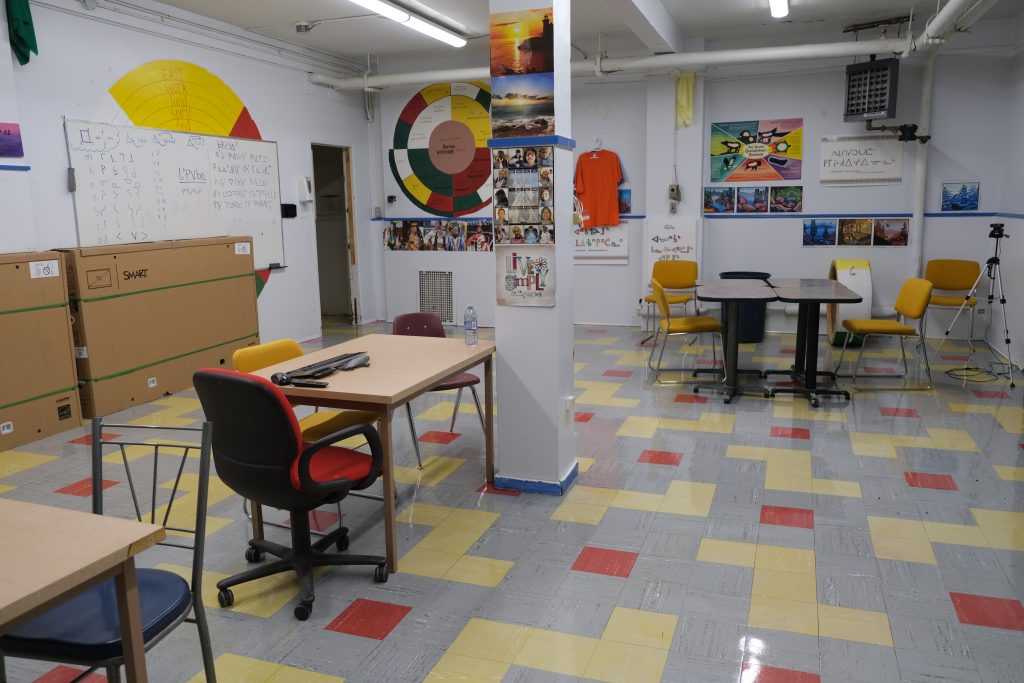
[(522, 73)]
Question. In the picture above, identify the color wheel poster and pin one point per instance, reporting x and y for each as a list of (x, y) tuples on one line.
[(749, 151)]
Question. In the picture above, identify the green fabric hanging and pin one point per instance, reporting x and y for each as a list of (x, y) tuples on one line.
[(23, 34)]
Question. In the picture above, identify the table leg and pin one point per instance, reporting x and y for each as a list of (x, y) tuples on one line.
[(390, 543), (489, 417), (256, 510), (813, 313), (130, 614), (801, 338)]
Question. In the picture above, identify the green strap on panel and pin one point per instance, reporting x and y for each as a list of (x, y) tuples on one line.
[(34, 308), (165, 360), (160, 289), (36, 398)]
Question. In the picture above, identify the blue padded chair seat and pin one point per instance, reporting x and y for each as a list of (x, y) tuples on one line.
[(87, 627)]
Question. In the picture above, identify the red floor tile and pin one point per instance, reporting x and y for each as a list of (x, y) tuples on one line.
[(923, 480), (84, 488), (871, 370), (65, 674), (759, 673), (439, 437), (982, 610), (617, 373), (784, 351), (603, 561), (488, 488), (791, 432), (986, 393), (584, 417), (87, 439), (783, 516), (369, 619), (661, 457), (690, 398), (898, 412), (954, 357)]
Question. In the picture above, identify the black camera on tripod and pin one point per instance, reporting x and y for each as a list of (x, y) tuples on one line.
[(997, 231)]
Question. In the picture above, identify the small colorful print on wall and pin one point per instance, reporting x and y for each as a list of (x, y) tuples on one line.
[(855, 231), (819, 232), (752, 151), (752, 199), (523, 106), (522, 42), (891, 232), (961, 196), (10, 140), (467, 235), (719, 199), (864, 232), (787, 199), (525, 275)]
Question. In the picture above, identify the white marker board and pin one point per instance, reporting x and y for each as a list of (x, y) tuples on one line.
[(144, 184)]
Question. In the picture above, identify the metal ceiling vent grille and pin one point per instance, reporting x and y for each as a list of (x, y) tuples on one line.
[(436, 294)]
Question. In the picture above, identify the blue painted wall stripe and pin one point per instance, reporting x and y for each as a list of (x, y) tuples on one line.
[(15, 168), (556, 140)]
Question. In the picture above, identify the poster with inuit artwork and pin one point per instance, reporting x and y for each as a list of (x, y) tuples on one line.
[(605, 245), (756, 151), (752, 199), (719, 199), (525, 275), (855, 231), (892, 232), (787, 199), (819, 232), (961, 196)]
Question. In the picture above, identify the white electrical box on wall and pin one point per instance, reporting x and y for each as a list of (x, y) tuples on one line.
[(305, 189)]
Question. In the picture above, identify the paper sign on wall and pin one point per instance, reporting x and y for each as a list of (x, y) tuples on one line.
[(601, 246), (861, 160), (10, 140), (668, 239)]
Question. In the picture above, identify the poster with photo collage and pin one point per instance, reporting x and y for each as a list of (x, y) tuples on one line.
[(524, 208), (472, 234)]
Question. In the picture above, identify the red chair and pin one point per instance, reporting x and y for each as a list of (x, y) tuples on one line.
[(429, 325)]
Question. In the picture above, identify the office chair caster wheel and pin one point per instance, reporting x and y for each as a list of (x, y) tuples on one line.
[(726, 400), (815, 403), (225, 598), (767, 395), (253, 554), (341, 544), (380, 574), (303, 610), (696, 390)]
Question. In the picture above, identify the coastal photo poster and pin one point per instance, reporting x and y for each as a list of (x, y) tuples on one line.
[(819, 232), (522, 42), (961, 196), (855, 231), (719, 199), (523, 106), (892, 232)]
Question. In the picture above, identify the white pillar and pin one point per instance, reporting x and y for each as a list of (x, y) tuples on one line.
[(535, 436)]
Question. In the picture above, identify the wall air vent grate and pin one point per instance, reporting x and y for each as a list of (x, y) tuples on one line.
[(437, 294), (871, 90)]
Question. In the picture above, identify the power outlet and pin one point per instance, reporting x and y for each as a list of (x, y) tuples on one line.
[(673, 192)]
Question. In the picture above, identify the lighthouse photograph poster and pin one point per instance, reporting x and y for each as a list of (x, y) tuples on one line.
[(522, 73)]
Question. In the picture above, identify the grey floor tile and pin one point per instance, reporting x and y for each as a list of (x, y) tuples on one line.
[(927, 667), (845, 660), (929, 635), (579, 617)]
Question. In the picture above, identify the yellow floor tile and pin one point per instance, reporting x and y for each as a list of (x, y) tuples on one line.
[(585, 464), (633, 359), (454, 667), (1004, 539), (446, 540), (617, 662), (492, 640), (1009, 472), (956, 534), (727, 552), (786, 585), (592, 495), (896, 528), (777, 481), (903, 549), (637, 500), (858, 625), (293, 674), (426, 562), (603, 394), (691, 489), (12, 462), (640, 627), (4, 488), (580, 513), (576, 367), (560, 653), (696, 507), (435, 469), (783, 615), (767, 454), (479, 571), (469, 520), (834, 487), (784, 559), (237, 669), (424, 513), (646, 427), (799, 409), (999, 519)]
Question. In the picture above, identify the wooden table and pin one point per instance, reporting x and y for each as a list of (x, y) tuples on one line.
[(49, 554), (401, 368)]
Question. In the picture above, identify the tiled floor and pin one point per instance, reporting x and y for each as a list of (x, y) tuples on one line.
[(762, 541)]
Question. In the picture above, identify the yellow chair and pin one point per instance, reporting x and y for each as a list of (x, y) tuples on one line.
[(671, 275), (911, 304), (954, 275), (669, 326)]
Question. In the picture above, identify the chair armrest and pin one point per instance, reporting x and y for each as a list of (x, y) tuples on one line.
[(368, 432)]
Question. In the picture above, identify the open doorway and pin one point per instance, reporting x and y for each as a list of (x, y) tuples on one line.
[(335, 238)]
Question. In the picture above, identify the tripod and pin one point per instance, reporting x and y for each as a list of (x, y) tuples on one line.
[(995, 283)]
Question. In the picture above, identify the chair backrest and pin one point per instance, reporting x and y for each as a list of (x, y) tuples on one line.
[(252, 358), (189, 517), (952, 274), (913, 298), (659, 298), (675, 274), (418, 325), (256, 435)]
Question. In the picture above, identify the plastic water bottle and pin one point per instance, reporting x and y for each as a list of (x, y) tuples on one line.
[(469, 324)]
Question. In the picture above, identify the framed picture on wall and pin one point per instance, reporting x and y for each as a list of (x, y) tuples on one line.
[(961, 196)]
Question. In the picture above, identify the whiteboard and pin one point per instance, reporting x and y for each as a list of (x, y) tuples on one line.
[(861, 160), (144, 184)]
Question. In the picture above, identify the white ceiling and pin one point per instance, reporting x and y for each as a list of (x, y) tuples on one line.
[(359, 32)]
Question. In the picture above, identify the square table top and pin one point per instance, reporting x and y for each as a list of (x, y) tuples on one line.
[(400, 367), (821, 290), (48, 551)]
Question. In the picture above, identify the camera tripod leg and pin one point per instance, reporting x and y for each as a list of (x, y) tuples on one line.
[(998, 281)]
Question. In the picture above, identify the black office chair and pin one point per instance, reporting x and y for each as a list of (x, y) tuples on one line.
[(86, 629), (259, 454)]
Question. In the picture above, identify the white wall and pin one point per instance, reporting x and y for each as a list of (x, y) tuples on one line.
[(15, 207), (84, 53)]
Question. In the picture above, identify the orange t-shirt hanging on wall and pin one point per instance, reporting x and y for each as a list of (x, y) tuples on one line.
[(598, 175)]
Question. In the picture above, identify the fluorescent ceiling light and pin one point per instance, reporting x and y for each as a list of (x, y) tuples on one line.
[(400, 16), (780, 8)]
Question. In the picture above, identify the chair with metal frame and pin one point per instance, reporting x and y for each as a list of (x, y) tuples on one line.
[(429, 325), (674, 275), (911, 304), (85, 629), (954, 275), (691, 325)]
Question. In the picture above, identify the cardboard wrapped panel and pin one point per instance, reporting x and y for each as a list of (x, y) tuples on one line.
[(38, 396)]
